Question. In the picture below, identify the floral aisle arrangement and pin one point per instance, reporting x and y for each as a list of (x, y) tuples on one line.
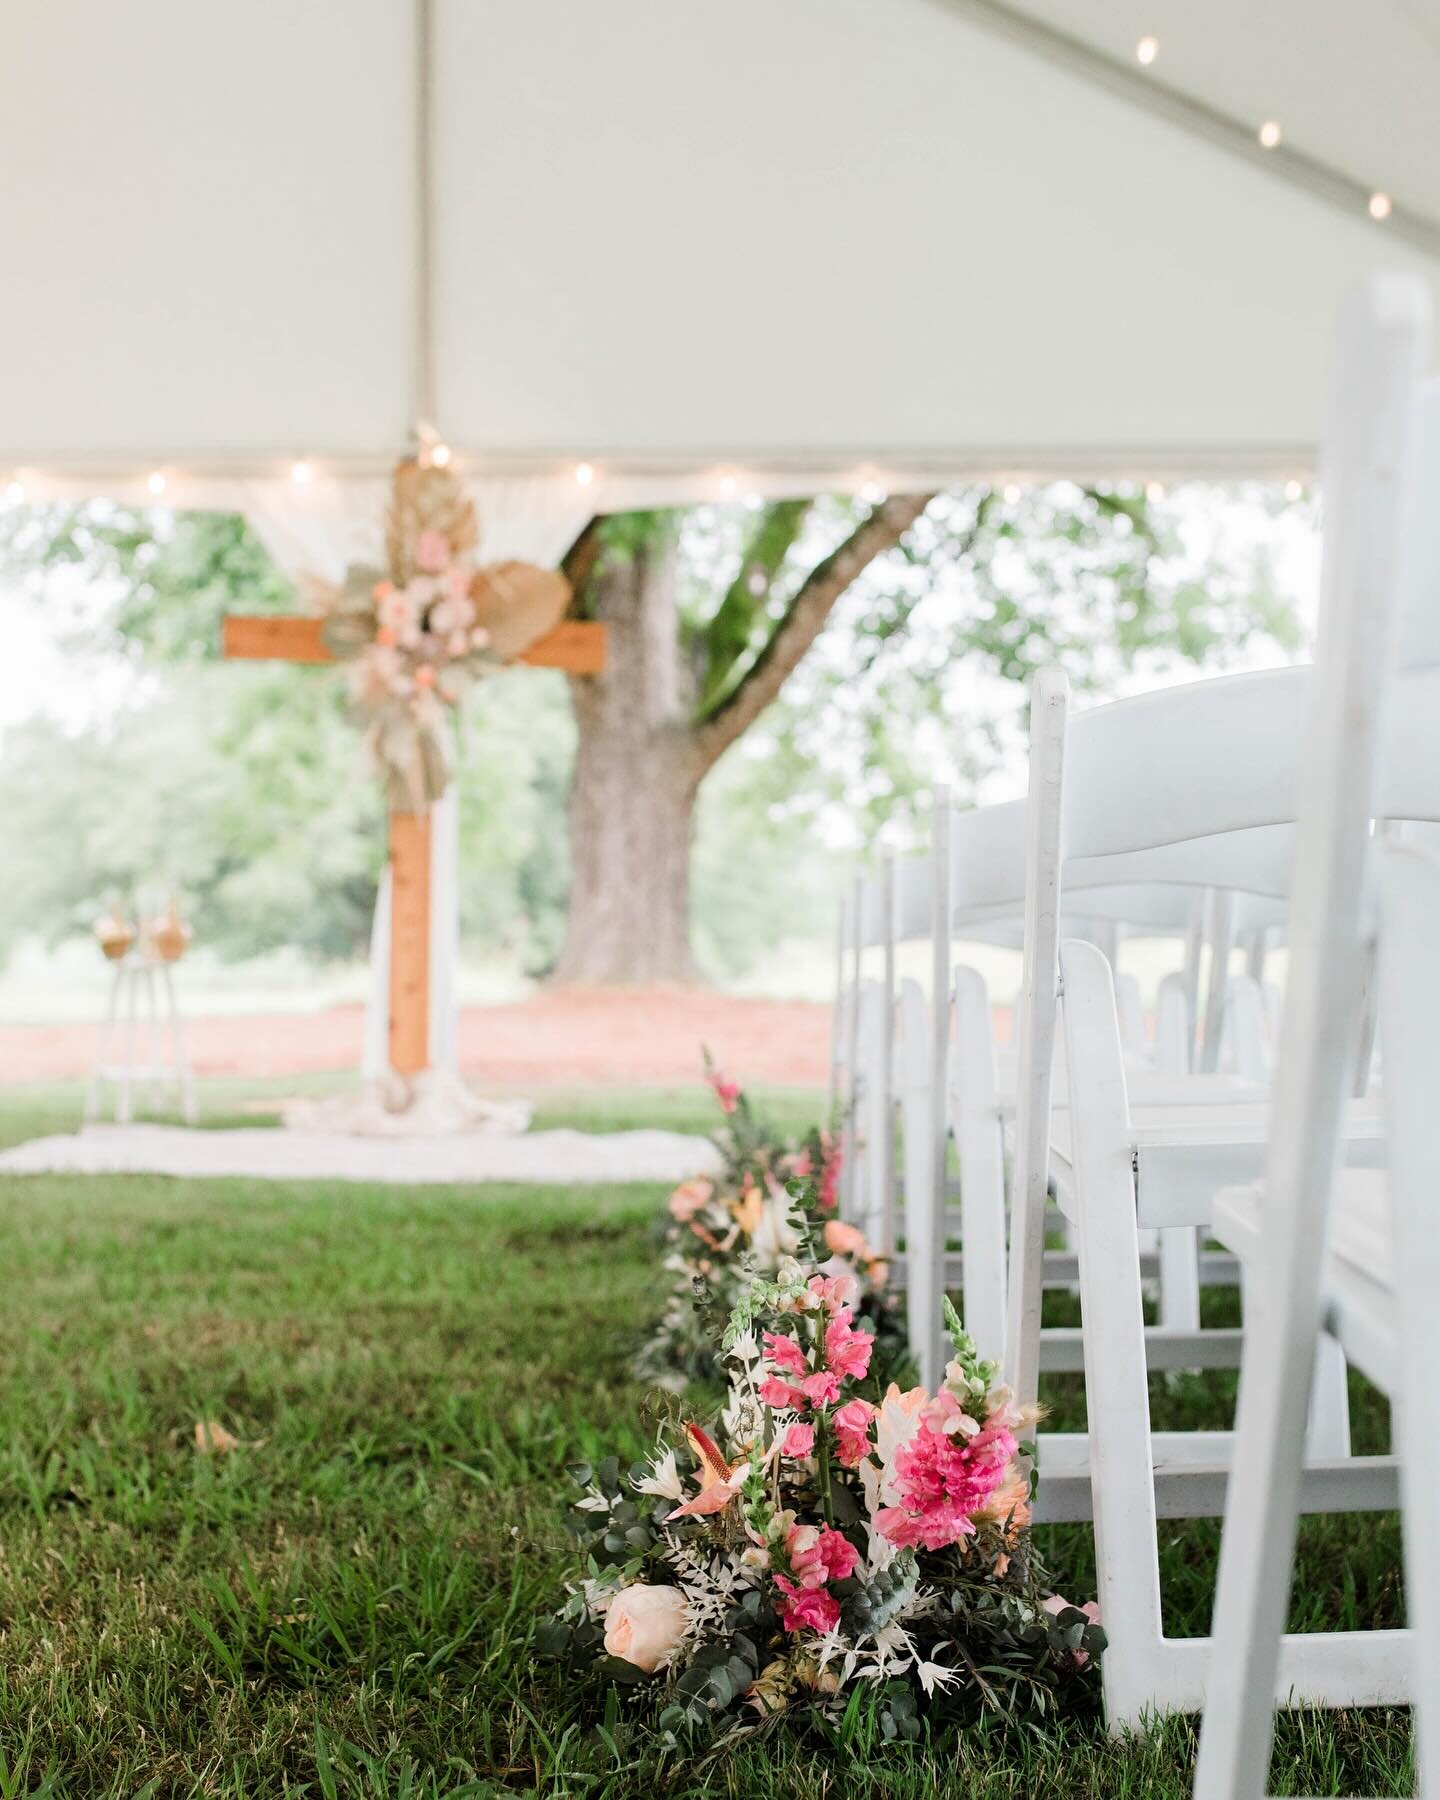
[(720, 1231), (828, 1539), (416, 636)]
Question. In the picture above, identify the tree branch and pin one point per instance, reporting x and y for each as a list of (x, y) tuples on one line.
[(577, 565), (802, 623)]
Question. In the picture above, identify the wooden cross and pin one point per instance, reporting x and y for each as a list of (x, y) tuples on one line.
[(574, 645)]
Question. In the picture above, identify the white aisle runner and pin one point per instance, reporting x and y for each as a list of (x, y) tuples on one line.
[(290, 1155)]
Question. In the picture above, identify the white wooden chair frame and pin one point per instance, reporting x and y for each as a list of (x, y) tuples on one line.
[(1380, 582), (1258, 720)]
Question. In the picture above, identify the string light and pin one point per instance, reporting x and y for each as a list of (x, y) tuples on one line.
[(440, 456), (1012, 493), (1269, 134), (1294, 490), (872, 493), (15, 493), (1154, 490), (1380, 205), (301, 472), (1147, 50), (584, 474), (156, 482), (728, 486)]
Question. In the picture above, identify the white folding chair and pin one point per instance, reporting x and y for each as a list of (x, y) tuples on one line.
[(1358, 1253), (1211, 763)]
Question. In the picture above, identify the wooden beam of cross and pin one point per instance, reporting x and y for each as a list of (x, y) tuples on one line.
[(577, 646)]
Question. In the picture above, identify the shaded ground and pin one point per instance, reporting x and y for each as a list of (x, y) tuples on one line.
[(558, 1035)]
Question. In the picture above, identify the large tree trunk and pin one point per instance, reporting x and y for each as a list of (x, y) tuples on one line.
[(632, 795)]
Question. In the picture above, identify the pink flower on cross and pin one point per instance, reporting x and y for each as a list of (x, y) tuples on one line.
[(432, 551)]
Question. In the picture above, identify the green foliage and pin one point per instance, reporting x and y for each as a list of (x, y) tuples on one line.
[(738, 624)]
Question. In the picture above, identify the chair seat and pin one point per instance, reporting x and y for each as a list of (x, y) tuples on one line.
[(1184, 1154), (1147, 1087), (1359, 1285)]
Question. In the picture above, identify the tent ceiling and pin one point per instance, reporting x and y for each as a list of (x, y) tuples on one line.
[(808, 243), (1352, 85)]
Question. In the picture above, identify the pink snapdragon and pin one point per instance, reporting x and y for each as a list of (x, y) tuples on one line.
[(838, 1554), (852, 1432), (784, 1396), (822, 1388), (943, 1476), (835, 1292), (784, 1354), (726, 1092), (806, 1609), (847, 1351), (799, 1440)]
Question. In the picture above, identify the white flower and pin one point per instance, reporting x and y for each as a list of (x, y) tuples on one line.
[(663, 1479), (935, 1675)]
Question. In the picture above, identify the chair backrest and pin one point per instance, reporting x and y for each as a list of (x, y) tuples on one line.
[(1202, 767)]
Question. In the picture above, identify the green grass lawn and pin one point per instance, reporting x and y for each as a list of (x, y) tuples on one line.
[(341, 1606)]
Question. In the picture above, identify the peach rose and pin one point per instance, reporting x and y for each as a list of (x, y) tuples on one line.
[(690, 1197), (644, 1625), (844, 1240)]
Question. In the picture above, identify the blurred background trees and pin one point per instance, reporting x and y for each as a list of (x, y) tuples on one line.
[(806, 669)]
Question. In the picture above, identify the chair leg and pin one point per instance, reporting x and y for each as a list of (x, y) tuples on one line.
[(1327, 1435), (975, 1117), (1112, 1309)]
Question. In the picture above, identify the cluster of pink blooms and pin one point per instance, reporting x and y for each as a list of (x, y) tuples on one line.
[(426, 623), (950, 1470), (827, 1176), (817, 1555)]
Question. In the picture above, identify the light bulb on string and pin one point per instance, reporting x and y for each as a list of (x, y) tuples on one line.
[(1154, 491), (156, 482), (15, 493), (1011, 493), (440, 455), (1269, 134), (729, 486), (1294, 490), (301, 473), (1147, 50), (1381, 205), (584, 474)]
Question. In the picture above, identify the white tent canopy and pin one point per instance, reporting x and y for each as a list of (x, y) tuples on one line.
[(787, 246)]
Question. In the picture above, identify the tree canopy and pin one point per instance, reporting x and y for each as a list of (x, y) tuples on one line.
[(242, 785)]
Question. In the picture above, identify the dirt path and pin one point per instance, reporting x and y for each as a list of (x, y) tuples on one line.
[(557, 1036)]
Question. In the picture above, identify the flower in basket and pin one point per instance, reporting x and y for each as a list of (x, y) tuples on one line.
[(824, 1535)]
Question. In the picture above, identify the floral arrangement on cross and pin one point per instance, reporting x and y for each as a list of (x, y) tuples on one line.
[(418, 633), (719, 1232), (825, 1538)]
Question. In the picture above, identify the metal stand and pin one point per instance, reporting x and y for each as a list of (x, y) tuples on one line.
[(142, 1010)]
